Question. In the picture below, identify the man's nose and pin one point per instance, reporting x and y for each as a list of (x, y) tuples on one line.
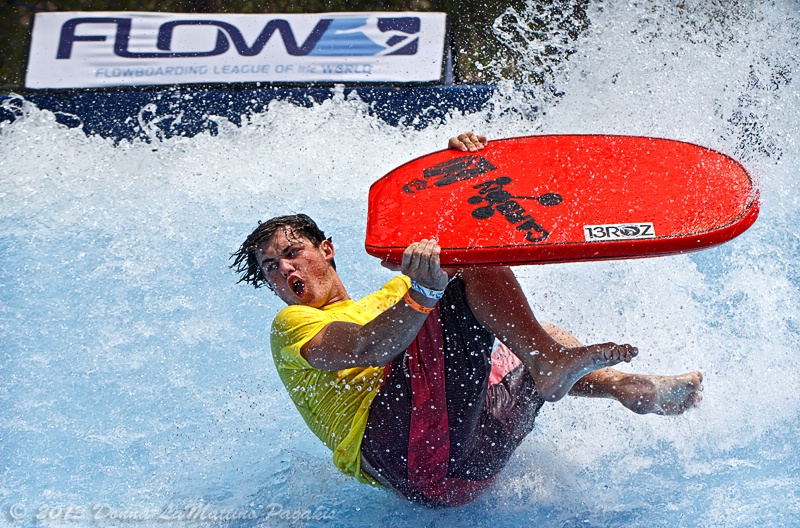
[(285, 267)]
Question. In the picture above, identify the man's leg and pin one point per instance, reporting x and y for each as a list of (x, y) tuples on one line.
[(559, 368), (640, 393), (497, 300)]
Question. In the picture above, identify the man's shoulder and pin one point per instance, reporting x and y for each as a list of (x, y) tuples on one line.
[(292, 327), (292, 315)]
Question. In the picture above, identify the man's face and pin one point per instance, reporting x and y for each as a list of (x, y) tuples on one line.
[(296, 270)]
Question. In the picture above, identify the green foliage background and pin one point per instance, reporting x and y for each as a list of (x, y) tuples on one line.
[(475, 43)]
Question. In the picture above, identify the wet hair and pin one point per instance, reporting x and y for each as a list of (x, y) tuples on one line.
[(293, 226)]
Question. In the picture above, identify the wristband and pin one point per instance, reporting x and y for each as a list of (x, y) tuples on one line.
[(427, 292), (414, 305)]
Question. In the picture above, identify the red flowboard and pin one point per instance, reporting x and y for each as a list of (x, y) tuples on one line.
[(542, 199)]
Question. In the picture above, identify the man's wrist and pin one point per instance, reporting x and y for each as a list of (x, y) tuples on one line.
[(421, 299), (430, 293), (423, 306)]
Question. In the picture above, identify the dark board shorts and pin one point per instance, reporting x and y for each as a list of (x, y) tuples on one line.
[(450, 411)]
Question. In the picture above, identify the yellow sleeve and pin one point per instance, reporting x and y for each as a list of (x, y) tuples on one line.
[(292, 328), (389, 294)]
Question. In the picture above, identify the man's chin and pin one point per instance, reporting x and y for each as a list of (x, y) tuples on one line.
[(290, 299), (294, 302)]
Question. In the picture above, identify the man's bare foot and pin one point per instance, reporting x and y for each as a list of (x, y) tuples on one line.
[(666, 395), (556, 371)]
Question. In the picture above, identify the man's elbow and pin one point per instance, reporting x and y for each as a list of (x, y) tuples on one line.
[(367, 353), (382, 362)]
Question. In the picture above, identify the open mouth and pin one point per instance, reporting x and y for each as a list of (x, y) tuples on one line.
[(298, 287)]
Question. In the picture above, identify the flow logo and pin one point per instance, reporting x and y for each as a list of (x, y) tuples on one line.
[(330, 37)]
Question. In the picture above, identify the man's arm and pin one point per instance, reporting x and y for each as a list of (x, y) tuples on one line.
[(343, 345)]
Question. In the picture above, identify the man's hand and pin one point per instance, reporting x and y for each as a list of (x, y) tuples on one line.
[(468, 142), (421, 264)]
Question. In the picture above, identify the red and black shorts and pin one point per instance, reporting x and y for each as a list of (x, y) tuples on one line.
[(450, 411)]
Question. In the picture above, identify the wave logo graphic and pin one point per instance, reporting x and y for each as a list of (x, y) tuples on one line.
[(331, 37), (366, 37)]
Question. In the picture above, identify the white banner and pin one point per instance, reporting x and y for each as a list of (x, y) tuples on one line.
[(98, 49)]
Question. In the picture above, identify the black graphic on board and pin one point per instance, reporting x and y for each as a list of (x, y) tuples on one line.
[(500, 200), (451, 171)]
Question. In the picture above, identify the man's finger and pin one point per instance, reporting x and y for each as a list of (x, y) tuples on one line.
[(456, 144), (435, 264), (407, 256), (467, 141), (419, 258), (427, 252), (390, 265), (478, 141)]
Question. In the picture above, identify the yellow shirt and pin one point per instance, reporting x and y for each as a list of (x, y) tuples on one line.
[(334, 403)]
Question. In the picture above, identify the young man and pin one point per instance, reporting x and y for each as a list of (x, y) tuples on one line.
[(404, 386)]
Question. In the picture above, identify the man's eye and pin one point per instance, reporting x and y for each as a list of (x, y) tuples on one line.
[(271, 267), (293, 253)]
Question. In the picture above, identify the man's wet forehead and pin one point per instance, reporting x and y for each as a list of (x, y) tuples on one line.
[(278, 243)]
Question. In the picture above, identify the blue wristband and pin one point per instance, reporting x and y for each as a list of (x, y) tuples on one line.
[(427, 292)]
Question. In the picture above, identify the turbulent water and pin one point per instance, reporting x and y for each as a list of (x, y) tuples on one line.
[(136, 384)]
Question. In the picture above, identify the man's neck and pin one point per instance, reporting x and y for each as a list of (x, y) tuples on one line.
[(338, 292)]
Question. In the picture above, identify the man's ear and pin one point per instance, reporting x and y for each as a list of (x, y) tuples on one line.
[(326, 246)]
